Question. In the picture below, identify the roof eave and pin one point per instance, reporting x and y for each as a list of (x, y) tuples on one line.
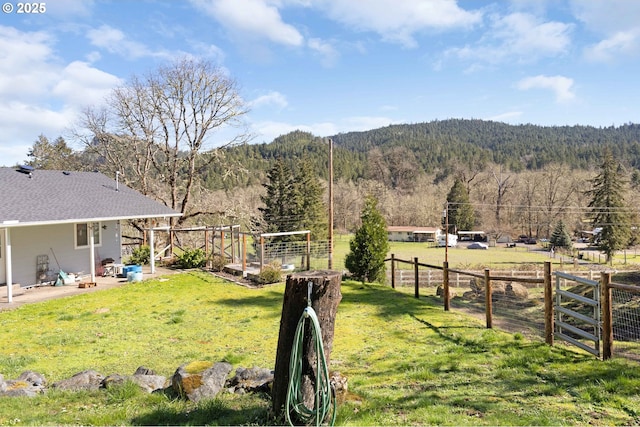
[(14, 224)]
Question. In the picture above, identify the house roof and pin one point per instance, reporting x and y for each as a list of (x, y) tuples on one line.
[(410, 229), (49, 197)]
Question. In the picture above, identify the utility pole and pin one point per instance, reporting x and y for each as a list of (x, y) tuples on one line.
[(446, 231), (330, 204)]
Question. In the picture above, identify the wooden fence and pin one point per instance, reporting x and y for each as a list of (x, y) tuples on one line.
[(443, 275)]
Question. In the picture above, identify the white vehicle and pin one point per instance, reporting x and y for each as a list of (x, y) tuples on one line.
[(453, 241)]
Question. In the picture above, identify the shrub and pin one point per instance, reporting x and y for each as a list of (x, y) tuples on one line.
[(271, 273), (191, 258), (218, 262), (140, 256)]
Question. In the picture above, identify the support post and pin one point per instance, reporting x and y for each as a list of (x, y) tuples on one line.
[(244, 254), (330, 261), (308, 251), (233, 246), (488, 299), (206, 246), (222, 243), (445, 285), (261, 253), (607, 316), (393, 271), (416, 277), (325, 297), (8, 264), (152, 252), (548, 304), (92, 251)]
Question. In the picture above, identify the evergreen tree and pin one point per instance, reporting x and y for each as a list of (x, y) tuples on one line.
[(459, 210), (369, 246), (57, 155), (283, 204), (560, 237), (313, 216), (608, 209)]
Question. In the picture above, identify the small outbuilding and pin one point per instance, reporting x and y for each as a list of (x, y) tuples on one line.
[(401, 233), (70, 219)]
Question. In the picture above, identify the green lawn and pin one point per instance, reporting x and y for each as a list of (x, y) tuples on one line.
[(407, 361)]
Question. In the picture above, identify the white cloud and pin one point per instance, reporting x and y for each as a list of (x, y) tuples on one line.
[(252, 19), (561, 86), (616, 21), (398, 20), (39, 93), (273, 98), (114, 41), (326, 51), (82, 85), (607, 17), (267, 131), (518, 35), (621, 44)]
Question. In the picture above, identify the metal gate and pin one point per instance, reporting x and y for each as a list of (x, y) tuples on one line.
[(578, 312)]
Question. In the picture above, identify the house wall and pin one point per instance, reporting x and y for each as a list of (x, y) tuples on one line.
[(29, 242), (400, 236)]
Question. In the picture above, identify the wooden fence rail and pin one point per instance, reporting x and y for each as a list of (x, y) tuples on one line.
[(442, 274)]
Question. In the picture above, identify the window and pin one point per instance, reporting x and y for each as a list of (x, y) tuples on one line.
[(82, 234)]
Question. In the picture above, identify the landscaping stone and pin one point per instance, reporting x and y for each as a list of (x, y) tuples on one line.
[(28, 384), (148, 383), (200, 380), (250, 380), (440, 292), (86, 380), (516, 291), (144, 371), (195, 381)]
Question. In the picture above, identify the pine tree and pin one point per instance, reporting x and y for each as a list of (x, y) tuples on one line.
[(608, 208), (283, 204), (313, 216), (560, 237), (369, 246), (459, 210)]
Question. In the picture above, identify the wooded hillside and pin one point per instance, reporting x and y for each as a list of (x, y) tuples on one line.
[(439, 147)]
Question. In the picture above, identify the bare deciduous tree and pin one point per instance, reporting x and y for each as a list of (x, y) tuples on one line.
[(155, 130)]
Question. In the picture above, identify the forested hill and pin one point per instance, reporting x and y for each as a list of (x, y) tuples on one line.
[(517, 146), (443, 146)]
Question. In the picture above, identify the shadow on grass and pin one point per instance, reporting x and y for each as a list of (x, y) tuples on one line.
[(271, 299), (210, 412)]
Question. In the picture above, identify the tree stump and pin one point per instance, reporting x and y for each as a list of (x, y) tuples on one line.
[(325, 297)]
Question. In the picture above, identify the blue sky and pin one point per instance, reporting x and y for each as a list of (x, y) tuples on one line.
[(329, 66)]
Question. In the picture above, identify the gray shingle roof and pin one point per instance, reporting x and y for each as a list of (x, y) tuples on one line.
[(55, 196)]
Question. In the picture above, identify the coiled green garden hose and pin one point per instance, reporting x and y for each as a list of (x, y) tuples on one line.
[(324, 401)]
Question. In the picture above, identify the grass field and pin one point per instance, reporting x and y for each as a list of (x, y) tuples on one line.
[(407, 361), (499, 257)]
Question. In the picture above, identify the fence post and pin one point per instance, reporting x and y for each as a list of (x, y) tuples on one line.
[(416, 276), (607, 313), (393, 271), (261, 253), (445, 285), (488, 298), (548, 304), (244, 254)]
